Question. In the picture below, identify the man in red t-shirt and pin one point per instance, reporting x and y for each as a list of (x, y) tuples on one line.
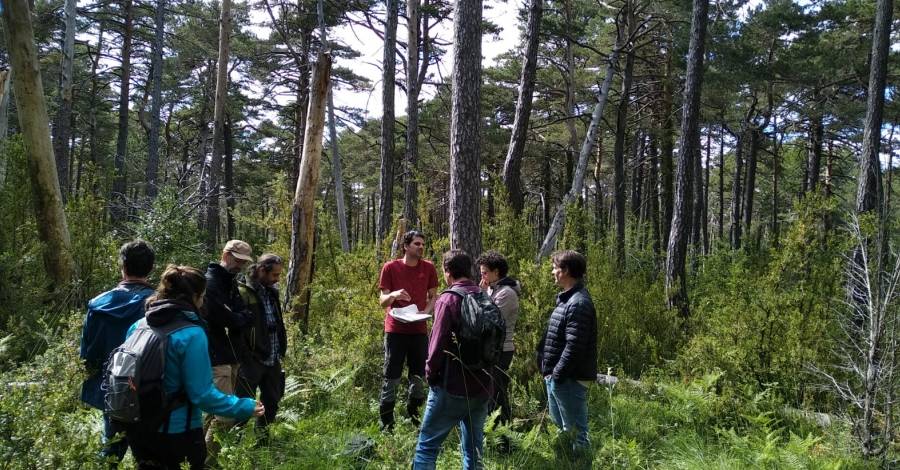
[(406, 281)]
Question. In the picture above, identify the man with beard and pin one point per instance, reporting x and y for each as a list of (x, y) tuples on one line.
[(410, 280)]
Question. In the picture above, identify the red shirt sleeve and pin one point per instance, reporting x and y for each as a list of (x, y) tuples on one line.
[(384, 280)]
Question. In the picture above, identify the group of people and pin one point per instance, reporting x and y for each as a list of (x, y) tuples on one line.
[(232, 346), (236, 340), (461, 396)]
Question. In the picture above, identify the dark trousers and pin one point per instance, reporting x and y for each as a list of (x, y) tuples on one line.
[(155, 450), (501, 388), (400, 349), (270, 382)]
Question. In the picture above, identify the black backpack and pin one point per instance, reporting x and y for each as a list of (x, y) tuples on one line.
[(482, 330), (133, 381)]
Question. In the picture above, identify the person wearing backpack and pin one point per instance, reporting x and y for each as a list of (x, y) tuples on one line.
[(458, 394), (108, 317), (266, 338), (504, 291), (186, 374), (567, 355)]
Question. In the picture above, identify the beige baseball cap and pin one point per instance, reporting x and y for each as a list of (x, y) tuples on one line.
[(239, 249)]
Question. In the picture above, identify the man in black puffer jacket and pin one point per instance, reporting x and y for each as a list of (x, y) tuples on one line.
[(567, 356)]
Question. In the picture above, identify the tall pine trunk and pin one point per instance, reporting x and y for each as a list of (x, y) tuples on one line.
[(156, 105), (512, 166), (62, 125), (31, 108), (465, 129), (676, 279), (869, 193), (388, 77), (619, 146), (411, 190), (117, 200)]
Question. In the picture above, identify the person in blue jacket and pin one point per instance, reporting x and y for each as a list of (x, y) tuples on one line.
[(187, 369), (108, 317)]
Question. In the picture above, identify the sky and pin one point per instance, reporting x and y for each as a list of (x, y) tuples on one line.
[(503, 13)]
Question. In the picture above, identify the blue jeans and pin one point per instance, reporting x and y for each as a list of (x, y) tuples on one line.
[(567, 401), (112, 446), (443, 412)]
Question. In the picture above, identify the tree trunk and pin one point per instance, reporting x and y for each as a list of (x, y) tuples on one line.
[(653, 195), (569, 80), (155, 108), (556, 226), (95, 90), (4, 119), (776, 175), (301, 104), (465, 129), (336, 172), (750, 183), (869, 194), (512, 166), (62, 125), (215, 166), (676, 282), (303, 209), (598, 191), (228, 138), (117, 200), (35, 126), (666, 162), (721, 182), (389, 72), (705, 215), (814, 160), (737, 193), (619, 151), (697, 204), (411, 190)]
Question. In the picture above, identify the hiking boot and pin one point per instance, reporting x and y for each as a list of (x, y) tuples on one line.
[(386, 412), (412, 410)]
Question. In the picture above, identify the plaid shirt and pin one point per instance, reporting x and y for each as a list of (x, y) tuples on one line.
[(268, 304)]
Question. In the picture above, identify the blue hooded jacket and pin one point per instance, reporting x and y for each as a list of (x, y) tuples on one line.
[(108, 317), (188, 368)]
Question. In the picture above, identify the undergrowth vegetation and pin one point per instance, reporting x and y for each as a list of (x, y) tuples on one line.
[(730, 387)]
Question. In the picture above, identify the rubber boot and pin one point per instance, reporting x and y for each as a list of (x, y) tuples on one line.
[(412, 410), (386, 411)]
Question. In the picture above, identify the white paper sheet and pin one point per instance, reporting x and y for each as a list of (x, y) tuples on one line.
[(409, 314)]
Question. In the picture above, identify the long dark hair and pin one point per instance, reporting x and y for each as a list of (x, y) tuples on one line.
[(182, 283)]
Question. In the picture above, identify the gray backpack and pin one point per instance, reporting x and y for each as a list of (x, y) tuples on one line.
[(482, 330), (135, 371)]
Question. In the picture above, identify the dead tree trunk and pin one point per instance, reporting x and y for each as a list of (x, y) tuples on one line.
[(31, 108), (389, 72), (556, 226), (465, 129), (676, 282), (512, 166), (215, 166), (303, 209)]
